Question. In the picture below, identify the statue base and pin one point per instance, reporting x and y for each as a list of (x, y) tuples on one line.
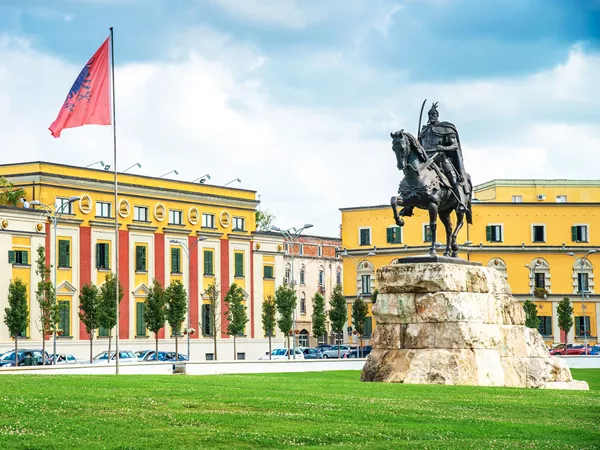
[(435, 259), (440, 323)]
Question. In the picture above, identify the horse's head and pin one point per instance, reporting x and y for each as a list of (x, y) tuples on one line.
[(400, 148)]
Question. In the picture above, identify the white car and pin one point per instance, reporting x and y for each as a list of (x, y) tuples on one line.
[(282, 353), (125, 356), (64, 358)]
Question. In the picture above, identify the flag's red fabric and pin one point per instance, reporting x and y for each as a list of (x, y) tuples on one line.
[(88, 101)]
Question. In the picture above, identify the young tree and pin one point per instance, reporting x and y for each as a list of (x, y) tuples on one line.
[(319, 317), (236, 313), (531, 318), (565, 316), (46, 298), (176, 309), (108, 305), (8, 194), (16, 316), (359, 316), (89, 311), (264, 220), (338, 314), (213, 293), (269, 309), (155, 310), (285, 300)]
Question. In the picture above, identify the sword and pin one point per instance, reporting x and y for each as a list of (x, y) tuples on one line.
[(420, 118)]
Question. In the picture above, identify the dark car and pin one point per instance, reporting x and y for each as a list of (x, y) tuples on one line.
[(311, 353), (163, 356), (25, 357), (362, 353)]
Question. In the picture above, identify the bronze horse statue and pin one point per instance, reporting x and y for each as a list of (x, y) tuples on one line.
[(425, 186)]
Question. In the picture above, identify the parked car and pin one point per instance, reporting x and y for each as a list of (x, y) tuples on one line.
[(25, 357), (125, 356), (594, 350), (570, 349), (163, 356), (64, 358), (141, 354), (362, 353), (311, 353), (282, 353), (332, 352)]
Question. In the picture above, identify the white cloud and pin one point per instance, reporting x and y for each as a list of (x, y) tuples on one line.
[(285, 13)]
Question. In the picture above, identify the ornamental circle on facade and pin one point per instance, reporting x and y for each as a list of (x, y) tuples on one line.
[(124, 208), (159, 212), (85, 204), (193, 216), (225, 219)]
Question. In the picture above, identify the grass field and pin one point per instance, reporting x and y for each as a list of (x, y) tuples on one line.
[(289, 410)]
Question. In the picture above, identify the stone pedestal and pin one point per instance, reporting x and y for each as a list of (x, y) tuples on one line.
[(444, 323)]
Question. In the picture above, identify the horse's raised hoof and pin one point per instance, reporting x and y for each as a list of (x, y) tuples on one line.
[(400, 222)]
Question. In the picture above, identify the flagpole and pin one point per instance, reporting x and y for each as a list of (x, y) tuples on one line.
[(114, 122)]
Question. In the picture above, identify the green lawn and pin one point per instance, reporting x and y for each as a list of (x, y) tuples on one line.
[(289, 410)]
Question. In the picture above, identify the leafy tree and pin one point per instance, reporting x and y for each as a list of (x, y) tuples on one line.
[(16, 316), (359, 316), (264, 220), (212, 293), (269, 309), (318, 316), (565, 316), (155, 311), (176, 309), (285, 300), (89, 311), (236, 313), (46, 298), (531, 318), (8, 194), (338, 313), (108, 305)]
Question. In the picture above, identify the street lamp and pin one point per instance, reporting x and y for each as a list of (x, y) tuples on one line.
[(202, 179), (172, 171), (229, 182), (131, 167), (580, 283), (53, 213), (357, 262), (105, 166), (290, 235), (188, 249)]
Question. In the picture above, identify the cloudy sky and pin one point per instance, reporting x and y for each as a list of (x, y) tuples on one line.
[(298, 97)]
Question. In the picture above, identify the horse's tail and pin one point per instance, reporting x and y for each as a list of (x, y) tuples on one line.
[(469, 207)]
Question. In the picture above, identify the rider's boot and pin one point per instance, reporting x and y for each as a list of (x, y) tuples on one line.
[(460, 196)]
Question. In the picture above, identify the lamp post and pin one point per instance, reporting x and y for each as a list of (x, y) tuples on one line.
[(202, 179), (235, 179), (290, 235), (357, 262), (188, 251), (53, 213), (172, 171), (580, 285), (131, 167)]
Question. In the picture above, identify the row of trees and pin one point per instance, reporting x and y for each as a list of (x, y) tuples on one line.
[(564, 311)]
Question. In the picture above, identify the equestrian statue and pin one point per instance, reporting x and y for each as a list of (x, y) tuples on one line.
[(434, 178)]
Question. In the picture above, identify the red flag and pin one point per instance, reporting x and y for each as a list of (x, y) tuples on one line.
[(88, 101)]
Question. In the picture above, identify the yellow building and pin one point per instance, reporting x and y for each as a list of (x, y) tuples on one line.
[(524, 228)]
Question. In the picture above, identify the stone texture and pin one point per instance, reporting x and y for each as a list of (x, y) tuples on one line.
[(456, 324)]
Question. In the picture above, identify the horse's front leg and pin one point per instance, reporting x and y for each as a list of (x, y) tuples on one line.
[(433, 212), (445, 218), (395, 201), (459, 224)]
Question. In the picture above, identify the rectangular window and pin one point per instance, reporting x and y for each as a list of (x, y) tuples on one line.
[(579, 328), (140, 258), (582, 282), (545, 327), (427, 233), (320, 250), (517, 199), (208, 220), (338, 277), (209, 356), (175, 217), (368, 326), (366, 284), (321, 278), (102, 256), (63, 205), (239, 265), (140, 213), (176, 260), (301, 251), (302, 275), (394, 235), (561, 199), (540, 280), (103, 209), (140, 319), (208, 263), (64, 314), (64, 253), (579, 233), (365, 236), (207, 320), (102, 332), (539, 233), (18, 257), (267, 271), (493, 233), (239, 224), (303, 305), (241, 356)]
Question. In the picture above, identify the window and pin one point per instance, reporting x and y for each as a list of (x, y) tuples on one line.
[(18, 257), (102, 256), (301, 250), (303, 303), (303, 338), (581, 326), (64, 253), (368, 326), (582, 282), (103, 209), (540, 280), (539, 233), (239, 224), (321, 277), (427, 233), (209, 356), (241, 356), (338, 276), (208, 220), (140, 258), (140, 319), (493, 233), (394, 235), (366, 284), (561, 199), (239, 265), (208, 263), (545, 327), (207, 320), (175, 260), (175, 217), (320, 250), (64, 314), (365, 236), (302, 274), (102, 332), (64, 206), (268, 272), (140, 213), (579, 233), (517, 199), (285, 248), (288, 273)]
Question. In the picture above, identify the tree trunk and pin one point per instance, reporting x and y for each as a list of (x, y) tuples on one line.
[(16, 351), (215, 345), (156, 348), (288, 345), (359, 349), (91, 346), (234, 349), (270, 356), (109, 342), (339, 348), (43, 348), (177, 346)]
